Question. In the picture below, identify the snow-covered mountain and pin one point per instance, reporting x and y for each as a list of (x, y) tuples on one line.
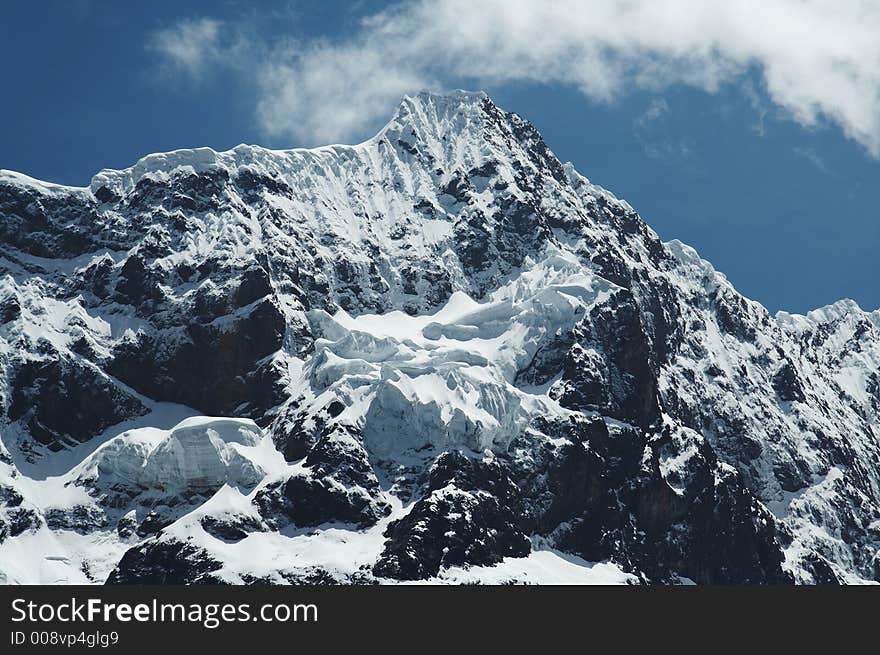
[(437, 355)]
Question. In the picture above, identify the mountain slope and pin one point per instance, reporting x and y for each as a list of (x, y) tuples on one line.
[(441, 354)]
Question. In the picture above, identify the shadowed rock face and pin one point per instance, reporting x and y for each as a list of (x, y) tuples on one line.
[(621, 382), (15, 519), (469, 513), (212, 368), (463, 350), (171, 562), (617, 498), (63, 401)]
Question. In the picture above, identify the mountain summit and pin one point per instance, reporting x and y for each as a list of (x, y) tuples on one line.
[(440, 354)]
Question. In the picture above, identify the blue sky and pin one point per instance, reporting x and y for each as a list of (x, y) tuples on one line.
[(762, 154)]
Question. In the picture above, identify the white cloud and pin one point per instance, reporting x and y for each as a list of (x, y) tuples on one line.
[(655, 111), (194, 46), (328, 94), (817, 58)]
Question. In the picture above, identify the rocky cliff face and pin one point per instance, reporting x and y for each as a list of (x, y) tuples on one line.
[(437, 355)]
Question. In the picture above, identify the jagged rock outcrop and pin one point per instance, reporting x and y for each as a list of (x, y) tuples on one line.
[(469, 513)]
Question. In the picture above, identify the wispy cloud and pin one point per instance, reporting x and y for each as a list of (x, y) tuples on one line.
[(813, 157), (652, 130), (196, 46), (817, 59), (759, 105)]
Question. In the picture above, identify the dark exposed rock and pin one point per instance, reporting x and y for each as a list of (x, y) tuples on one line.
[(407, 147), (164, 562), (204, 366), (788, 385), (64, 402), (126, 527), (9, 496), (526, 134), (45, 225), (193, 192), (230, 528), (733, 539), (16, 521), (253, 185), (790, 475), (80, 518), (549, 360), (873, 388), (307, 501), (254, 284), (96, 277), (135, 283), (430, 285), (153, 523), (104, 194), (458, 187), (467, 515), (340, 453), (10, 309), (609, 489), (293, 437), (733, 314), (610, 366), (339, 485)]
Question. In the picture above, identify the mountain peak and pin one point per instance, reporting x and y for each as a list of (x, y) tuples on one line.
[(452, 130), (445, 307), (429, 115), (452, 97)]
